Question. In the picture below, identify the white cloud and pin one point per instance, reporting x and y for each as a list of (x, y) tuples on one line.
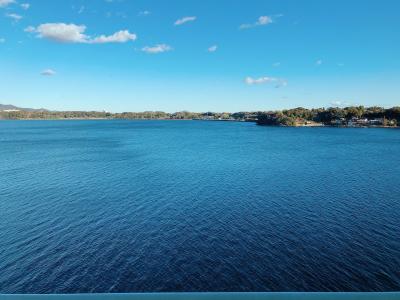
[(157, 49), (4, 3), (25, 6), (2, 40), (48, 72), (212, 48), (61, 32), (250, 80), (184, 20), (318, 62), (262, 21), (15, 17), (266, 80), (71, 33), (277, 64), (121, 36), (144, 13)]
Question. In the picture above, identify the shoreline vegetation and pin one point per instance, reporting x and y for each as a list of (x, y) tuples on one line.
[(354, 116)]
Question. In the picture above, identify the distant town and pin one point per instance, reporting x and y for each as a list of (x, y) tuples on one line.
[(354, 116)]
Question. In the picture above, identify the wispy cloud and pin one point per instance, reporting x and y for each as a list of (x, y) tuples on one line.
[(279, 82), (116, 15), (81, 9), (25, 6), (4, 3), (121, 36), (15, 17), (2, 40), (144, 13), (71, 33), (212, 48), (30, 29), (277, 64), (184, 20), (48, 72), (318, 62), (262, 21), (160, 48)]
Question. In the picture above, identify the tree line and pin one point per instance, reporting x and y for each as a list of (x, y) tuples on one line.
[(287, 117), (54, 115), (330, 116)]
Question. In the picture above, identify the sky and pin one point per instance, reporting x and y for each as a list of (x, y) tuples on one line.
[(199, 55)]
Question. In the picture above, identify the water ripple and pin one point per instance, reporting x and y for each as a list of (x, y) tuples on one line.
[(129, 206)]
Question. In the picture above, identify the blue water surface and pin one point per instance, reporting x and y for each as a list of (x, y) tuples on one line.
[(131, 206)]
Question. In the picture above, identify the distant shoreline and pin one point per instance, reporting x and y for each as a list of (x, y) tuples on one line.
[(354, 116)]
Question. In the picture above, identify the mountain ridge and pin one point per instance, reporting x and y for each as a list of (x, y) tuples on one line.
[(5, 107)]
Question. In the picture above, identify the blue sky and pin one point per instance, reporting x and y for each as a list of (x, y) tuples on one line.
[(136, 55)]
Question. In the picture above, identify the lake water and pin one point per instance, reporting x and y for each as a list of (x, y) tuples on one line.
[(128, 206)]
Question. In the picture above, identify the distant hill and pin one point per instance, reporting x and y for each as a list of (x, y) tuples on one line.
[(5, 107)]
